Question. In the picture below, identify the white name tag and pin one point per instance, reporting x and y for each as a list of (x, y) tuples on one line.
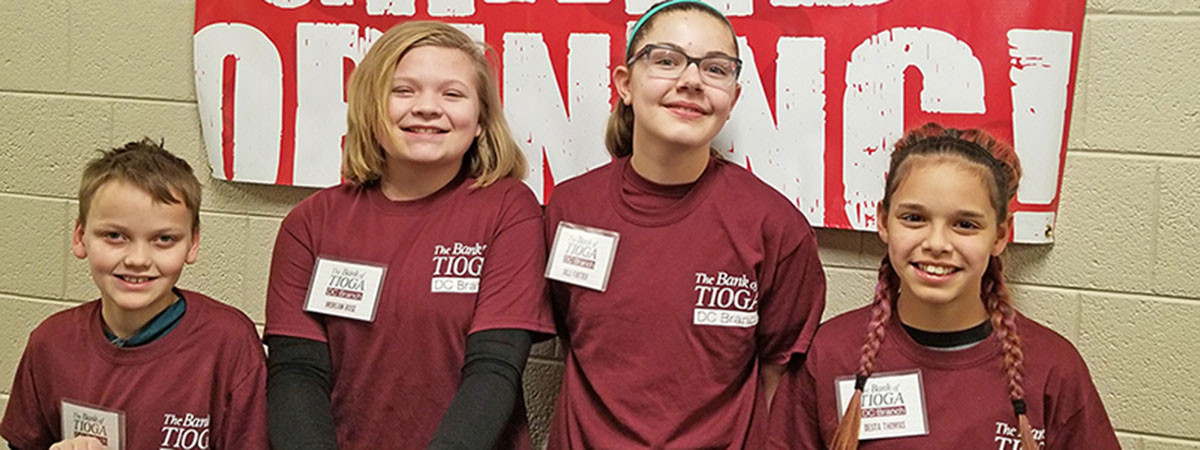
[(345, 289), (80, 419), (893, 404), (582, 256)]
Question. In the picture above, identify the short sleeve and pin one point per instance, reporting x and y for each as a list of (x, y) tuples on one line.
[(25, 424), (1077, 416), (291, 271), (512, 288), (245, 423), (791, 308), (794, 423)]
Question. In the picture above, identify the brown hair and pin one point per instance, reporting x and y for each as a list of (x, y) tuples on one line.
[(493, 155), (1000, 162), (148, 166), (618, 134)]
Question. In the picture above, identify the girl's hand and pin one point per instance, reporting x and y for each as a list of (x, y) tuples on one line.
[(79, 443)]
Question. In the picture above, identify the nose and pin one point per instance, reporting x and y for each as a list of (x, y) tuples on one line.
[(938, 239), (690, 78), (427, 105), (137, 255)]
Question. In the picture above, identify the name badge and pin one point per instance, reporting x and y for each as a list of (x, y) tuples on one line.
[(345, 289), (106, 425), (582, 256), (893, 404)]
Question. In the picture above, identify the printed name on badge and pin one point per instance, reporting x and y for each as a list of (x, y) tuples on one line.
[(345, 289), (81, 419), (582, 256), (893, 404)]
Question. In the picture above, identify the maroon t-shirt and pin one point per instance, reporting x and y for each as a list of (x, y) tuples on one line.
[(709, 282), (200, 386), (966, 392), (394, 378)]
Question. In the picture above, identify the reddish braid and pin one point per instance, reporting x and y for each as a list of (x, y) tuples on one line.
[(1000, 161), (886, 291)]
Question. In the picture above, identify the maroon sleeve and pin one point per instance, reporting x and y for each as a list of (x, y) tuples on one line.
[(794, 422), (246, 415), (512, 288), (25, 425), (1077, 417), (791, 308), (291, 270)]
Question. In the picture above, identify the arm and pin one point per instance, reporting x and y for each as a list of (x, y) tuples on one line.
[(491, 383), (769, 375), (299, 415)]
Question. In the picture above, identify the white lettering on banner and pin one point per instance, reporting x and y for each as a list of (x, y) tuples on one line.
[(1041, 71), (451, 8), (574, 144), (874, 98), (786, 147), (321, 49), (257, 100), (287, 4), (391, 7)]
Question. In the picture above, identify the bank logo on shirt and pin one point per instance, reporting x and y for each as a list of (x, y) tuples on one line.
[(456, 268), (184, 432), (1009, 438), (725, 300)]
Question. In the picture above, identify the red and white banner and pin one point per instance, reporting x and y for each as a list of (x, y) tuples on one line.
[(827, 86)]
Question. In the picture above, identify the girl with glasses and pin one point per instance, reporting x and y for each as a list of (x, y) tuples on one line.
[(681, 283)]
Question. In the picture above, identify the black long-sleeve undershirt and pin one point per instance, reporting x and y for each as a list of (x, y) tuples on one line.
[(298, 392)]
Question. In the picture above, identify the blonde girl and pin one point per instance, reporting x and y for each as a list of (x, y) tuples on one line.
[(401, 304)]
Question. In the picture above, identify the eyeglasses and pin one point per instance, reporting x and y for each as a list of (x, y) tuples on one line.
[(667, 62)]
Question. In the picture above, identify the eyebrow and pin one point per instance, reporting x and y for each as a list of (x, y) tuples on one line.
[(961, 212), (444, 84)]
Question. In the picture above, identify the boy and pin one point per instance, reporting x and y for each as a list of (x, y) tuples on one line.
[(147, 365)]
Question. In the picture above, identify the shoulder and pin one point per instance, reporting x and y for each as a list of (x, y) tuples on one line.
[(62, 323), (324, 199), (743, 190), (220, 321), (1045, 347), (589, 183), (505, 190), (846, 329)]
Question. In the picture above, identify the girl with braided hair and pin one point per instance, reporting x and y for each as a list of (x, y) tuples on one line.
[(942, 325)]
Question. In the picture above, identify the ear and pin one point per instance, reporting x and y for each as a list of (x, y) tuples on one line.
[(881, 223), (77, 247), (1002, 232), (194, 249), (620, 78)]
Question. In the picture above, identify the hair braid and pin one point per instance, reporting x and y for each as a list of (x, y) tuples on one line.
[(1004, 320), (886, 290)]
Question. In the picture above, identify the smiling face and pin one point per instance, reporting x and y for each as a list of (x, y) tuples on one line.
[(941, 230), (433, 110), (682, 112), (136, 248)]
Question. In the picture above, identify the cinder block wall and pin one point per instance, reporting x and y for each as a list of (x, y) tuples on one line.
[(1121, 282)]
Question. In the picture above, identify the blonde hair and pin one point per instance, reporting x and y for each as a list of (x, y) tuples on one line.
[(493, 155), (145, 164)]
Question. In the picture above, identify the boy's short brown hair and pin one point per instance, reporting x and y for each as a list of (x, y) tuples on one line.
[(148, 166)]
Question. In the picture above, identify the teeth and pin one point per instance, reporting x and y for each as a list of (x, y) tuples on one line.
[(936, 270), (424, 130), (135, 279)]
